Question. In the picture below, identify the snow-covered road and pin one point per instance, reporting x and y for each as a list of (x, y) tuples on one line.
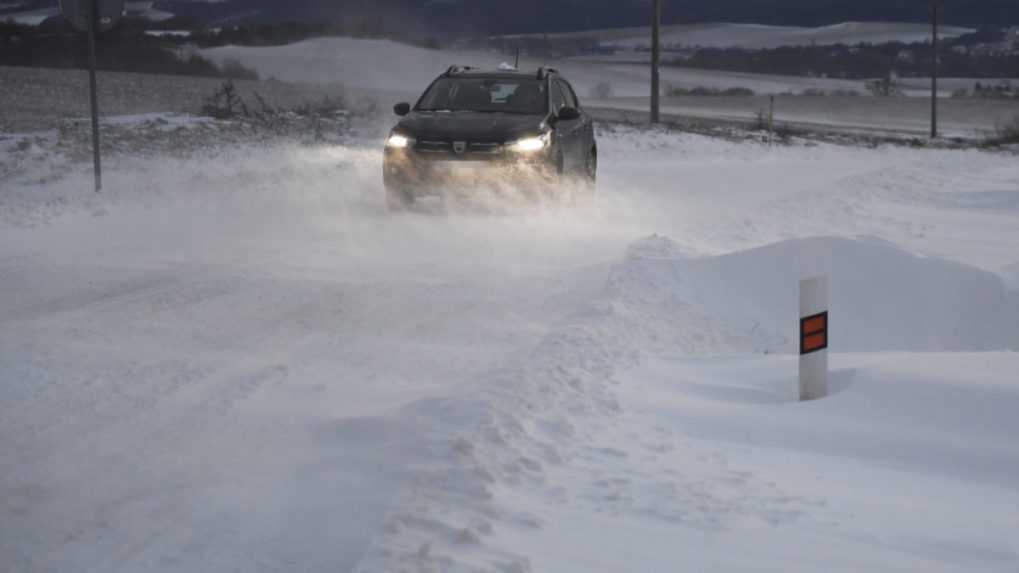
[(243, 363)]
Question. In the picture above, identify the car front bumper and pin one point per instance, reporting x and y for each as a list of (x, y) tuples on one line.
[(420, 173)]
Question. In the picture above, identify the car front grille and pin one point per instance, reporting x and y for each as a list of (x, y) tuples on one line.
[(439, 148), (432, 146)]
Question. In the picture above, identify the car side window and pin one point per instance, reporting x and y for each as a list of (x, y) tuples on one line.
[(558, 100), (568, 94)]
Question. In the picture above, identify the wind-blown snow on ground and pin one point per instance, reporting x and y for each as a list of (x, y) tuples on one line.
[(242, 362)]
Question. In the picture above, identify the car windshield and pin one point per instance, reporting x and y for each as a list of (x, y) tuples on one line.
[(487, 95)]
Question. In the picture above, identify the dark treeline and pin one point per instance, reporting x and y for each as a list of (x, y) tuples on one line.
[(124, 49), (416, 18), (538, 16), (856, 62)]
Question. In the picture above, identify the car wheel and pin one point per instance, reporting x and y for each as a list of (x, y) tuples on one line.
[(587, 178), (591, 167), (398, 199)]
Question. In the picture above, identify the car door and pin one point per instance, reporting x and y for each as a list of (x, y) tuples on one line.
[(585, 139), (568, 132)]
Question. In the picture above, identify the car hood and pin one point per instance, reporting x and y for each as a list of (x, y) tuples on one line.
[(469, 126)]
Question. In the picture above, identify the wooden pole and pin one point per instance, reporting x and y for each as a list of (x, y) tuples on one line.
[(656, 22), (93, 25), (934, 68)]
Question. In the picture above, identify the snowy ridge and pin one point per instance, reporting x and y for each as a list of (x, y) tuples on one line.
[(885, 298)]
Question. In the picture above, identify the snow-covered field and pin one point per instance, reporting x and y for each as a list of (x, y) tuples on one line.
[(760, 36), (242, 362), (397, 71), (396, 67), (971, 119)]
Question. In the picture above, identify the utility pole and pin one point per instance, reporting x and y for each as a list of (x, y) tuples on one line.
[(93, 25), (934, 68), (93, 17), (656, 22)]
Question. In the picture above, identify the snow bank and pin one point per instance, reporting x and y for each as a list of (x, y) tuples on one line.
[(882, 298)]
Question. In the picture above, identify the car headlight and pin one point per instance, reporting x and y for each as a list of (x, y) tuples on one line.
[(530, 144), (399, 141)]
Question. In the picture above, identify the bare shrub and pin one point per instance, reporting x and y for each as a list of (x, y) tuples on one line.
[(761, 121), (319, 120), (1006, 133), (1001, 90), (225, 103), (738, 91), (884, 87)]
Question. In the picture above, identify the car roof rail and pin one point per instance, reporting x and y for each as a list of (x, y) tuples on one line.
[(455, 69), (544, 71)]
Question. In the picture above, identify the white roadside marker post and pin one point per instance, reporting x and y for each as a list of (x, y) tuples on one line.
[(813, 338)]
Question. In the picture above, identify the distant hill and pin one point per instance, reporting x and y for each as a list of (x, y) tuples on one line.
[(523, 16), (535, 16)]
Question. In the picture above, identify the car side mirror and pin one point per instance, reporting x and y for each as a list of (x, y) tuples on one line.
[(402, 108), (568, 114)]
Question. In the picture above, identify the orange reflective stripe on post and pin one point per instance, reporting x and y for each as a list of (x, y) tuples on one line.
[(813, 333)]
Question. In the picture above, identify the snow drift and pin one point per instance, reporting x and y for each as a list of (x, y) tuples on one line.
[(882, 297)]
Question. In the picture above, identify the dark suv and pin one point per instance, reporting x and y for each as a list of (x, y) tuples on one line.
[(473, 128)]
